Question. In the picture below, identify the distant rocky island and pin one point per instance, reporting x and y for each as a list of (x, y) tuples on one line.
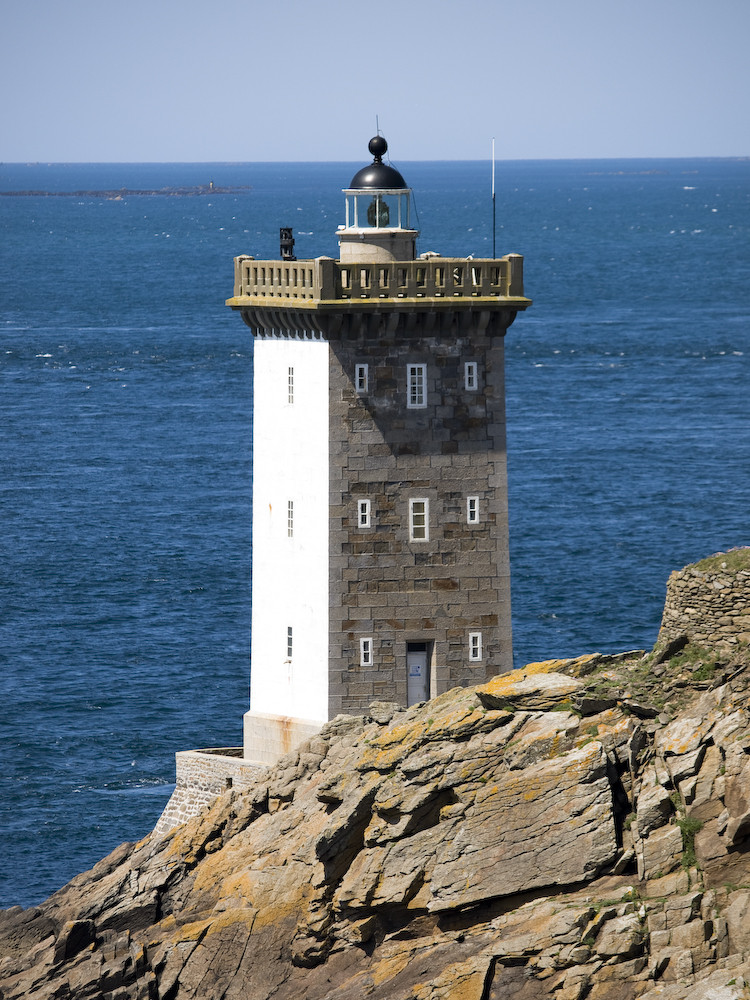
[(575, 830), (117, 194)]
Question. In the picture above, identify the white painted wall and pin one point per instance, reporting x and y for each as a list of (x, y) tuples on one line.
[(290, 575)]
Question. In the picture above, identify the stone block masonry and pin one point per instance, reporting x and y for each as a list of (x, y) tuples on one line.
[(455, 579), (709, 601), (203, 775)]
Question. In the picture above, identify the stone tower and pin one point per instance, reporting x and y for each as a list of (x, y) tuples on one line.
[(380, 526)]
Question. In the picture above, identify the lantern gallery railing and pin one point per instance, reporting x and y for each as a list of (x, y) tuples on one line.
[(308, 282)]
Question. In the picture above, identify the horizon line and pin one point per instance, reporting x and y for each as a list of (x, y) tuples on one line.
[(519, 159)]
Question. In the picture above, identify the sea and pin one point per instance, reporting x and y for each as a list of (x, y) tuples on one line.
[(126, 391)]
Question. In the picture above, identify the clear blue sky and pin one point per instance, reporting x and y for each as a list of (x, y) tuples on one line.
[(245, 80)]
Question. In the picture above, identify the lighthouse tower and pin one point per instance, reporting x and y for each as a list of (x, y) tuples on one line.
[(380, 527)]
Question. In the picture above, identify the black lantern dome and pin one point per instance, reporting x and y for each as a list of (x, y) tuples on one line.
[(377, 213), (378, 174)]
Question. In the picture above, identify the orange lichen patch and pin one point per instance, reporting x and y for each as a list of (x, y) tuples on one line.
[(165, 927), (556, 744), (531, 784), (195, 930), (287, 906), (242, 885), (608, 726), (542, 690), (556, 666), (460, 981), (229, 918), (686, 734), (607, 719), (448, 718), (389, 968)]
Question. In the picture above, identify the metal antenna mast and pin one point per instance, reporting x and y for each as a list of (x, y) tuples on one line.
[(493, 197)]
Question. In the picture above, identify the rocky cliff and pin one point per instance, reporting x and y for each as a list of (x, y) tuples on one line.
[(574, 829)]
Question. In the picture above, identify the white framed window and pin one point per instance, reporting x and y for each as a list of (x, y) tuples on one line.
[(472, 510), (290, 385), (289, 642), (419, 520), (475, 646), (362, 378), (416, 386), (363, 514), (365, 652), (290, 518), (471, 376)]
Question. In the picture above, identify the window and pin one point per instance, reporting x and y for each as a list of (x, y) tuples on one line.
[(475, 646), (419, 527), (471, 380), (289, 642), (416, 387), (361, 378), (363, 513), (290, 518), (472, 510), (365, 652), (290, 385)]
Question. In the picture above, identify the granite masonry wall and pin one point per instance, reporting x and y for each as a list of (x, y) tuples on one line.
[(383, 584), (203, 775), (709, 602)]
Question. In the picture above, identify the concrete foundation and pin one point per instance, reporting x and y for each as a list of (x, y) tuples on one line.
[(268, 737)]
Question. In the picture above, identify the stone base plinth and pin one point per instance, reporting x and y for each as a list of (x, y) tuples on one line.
[(268, 737)]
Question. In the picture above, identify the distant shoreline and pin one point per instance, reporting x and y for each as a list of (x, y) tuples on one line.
[(114, 195)]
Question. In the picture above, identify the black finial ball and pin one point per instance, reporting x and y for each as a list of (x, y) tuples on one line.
[(378, 146)]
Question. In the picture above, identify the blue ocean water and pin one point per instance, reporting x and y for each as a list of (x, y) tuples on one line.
[(125, 444)]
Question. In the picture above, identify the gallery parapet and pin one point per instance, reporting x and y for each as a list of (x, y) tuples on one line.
[(328, 284)]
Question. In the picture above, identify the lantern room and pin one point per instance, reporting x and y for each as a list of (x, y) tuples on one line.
[(377, 224)]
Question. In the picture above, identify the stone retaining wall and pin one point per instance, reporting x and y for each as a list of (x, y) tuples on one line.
[(709, 602), (203, 775)]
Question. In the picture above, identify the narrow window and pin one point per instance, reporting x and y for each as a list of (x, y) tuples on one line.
[(472, 510), (471, 380), (361, 378), (289, 642), (419, 528), (365, 652), (363, 513), (475, 646), (290, 518), (290, 385), (416, 377)]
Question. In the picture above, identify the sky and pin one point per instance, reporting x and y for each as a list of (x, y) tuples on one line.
[(279, 80)]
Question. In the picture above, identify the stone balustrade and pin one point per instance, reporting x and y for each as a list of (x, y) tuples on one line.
[(326, 281)]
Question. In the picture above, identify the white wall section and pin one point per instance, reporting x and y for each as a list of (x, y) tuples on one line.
[(290, 574)]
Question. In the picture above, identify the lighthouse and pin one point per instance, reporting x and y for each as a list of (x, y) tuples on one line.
[(380, 564)]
